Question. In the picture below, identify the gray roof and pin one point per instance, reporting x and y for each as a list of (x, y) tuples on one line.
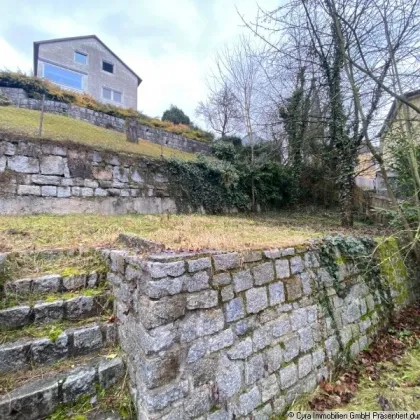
[(48, 41)]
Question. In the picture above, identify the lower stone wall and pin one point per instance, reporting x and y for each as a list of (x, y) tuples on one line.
[(19, 98), (241, 335), (48, 177)]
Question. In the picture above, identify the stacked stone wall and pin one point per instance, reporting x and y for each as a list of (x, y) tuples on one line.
[(48, 177), (19, 98), (241, 335)]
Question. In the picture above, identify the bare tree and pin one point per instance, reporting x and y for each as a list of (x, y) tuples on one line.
[(239, 68), (220, 110)]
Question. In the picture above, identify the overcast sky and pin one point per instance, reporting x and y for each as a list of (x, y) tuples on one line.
[(168, 43)]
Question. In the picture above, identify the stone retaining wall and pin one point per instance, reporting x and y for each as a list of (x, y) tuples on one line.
[(48, 177), (20, 99), (241, 335)]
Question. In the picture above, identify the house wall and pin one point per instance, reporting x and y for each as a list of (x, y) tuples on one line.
[(242, 335), (62, 53)]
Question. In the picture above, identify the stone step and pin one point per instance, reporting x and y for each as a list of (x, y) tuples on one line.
[(54, 283), (75, 308), (25, 354), (39, 398)]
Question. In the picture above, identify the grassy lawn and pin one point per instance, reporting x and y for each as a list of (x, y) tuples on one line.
[(175, 231), (61, 128)]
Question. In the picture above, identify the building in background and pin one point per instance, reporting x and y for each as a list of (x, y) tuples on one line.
[(85, 64)]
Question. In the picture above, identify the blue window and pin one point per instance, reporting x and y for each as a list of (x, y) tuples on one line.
[(80, 57), (63, 77)]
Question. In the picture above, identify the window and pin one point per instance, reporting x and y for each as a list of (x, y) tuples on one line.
[(111, 95), (107, 67), (80, 58), (63, 76), (117, 96), (107, 93)]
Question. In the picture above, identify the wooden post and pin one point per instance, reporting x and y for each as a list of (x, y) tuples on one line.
[(41, 118)]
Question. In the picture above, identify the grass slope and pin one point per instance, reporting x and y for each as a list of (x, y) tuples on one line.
[(61, 128), (175, 231)]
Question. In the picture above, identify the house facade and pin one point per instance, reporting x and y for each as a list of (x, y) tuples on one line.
[(84, 64)]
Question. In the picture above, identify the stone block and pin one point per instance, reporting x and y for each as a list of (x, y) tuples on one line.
[(293, 288), (50, 149), (50, 283), (273, 358), (47, 312), (280, 326), (287, 252), (219, 415), (234, 309), (332, 347), (306, 283), (160, 370), (86, 192), (269, 388), (318, 357), (29, 190), (221, 340), (226, 261), (296, 265), (197, 351), (49, 191), (34, 400), (251, 256), (199, 264), (19, 287), (221, 279), (16, 317), (46, 179), (228, 378), (201, 323), (305, 365), (198, 281), (272, 254), (288, 376), (249, 401), (74, 282), (2, 163), (87, 339), (81, 381), (167, 286), (244, 326), (203, 371), (276, 293), (254, 369), (199, 403), (14, 356), (227, 293), (306, 339), (52, 165), (80, 307), (282, 269), (161, 398), (263, 273), (202, 300), (242, 280), (241, 350), (299, 319), (311, 260), (163, 311), (173, 269), (45, 351), (256, 299), (291, 347), (261, 337), (90, 183), (23, 164), (100, 192)]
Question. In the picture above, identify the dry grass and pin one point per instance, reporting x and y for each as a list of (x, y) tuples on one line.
[(61, 128), (175, 231)]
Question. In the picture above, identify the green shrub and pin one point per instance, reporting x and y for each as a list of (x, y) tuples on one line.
[(176, 115)]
